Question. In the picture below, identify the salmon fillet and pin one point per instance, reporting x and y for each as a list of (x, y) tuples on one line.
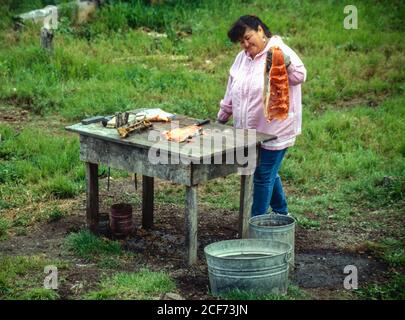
[(276, 90), (182, 134)]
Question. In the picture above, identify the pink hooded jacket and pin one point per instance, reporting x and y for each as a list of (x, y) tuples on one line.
[(244, 96)]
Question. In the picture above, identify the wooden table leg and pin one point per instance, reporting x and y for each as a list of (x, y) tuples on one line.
[(147, 201), (191, 224), (92, 197), (246, 199), (246, 193)]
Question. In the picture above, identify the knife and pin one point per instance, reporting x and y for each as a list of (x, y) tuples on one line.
[(92, 120), (202, 122)]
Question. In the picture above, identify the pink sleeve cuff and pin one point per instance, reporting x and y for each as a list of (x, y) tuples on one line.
[(296, 74), (223, 115)]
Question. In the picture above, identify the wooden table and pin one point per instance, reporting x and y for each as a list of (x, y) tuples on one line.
[(99, 145)]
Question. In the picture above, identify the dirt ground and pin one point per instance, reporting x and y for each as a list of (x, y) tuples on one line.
[(318, 272)]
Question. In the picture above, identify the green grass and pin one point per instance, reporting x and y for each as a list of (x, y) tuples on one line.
[(55, 214), (22, 277), (60, 187), (343, 65), (4, 226), (142, 285), (394, 252), (40, 294), (45, 160), (293, 293), (110, 262), (390, 250), (394, 290), (86, 245), (106, 254)]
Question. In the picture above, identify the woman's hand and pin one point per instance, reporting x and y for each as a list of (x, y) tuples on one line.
[(269, 58)]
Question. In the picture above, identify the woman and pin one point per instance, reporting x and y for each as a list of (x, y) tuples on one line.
[(244, 100)]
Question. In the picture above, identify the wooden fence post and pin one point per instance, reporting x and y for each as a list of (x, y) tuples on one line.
[(47, 39)]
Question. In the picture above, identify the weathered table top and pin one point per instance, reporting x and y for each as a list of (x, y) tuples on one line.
[(196, 149), (103, 145)]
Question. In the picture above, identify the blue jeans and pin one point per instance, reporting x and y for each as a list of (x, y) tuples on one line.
[(267, 188)]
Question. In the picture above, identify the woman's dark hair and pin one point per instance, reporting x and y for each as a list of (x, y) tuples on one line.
[(249, 21)]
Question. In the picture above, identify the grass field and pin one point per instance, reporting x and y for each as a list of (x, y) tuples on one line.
[(347, 169)]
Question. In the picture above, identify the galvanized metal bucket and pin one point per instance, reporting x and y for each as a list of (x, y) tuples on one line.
[(276, 227), (255, 265)]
